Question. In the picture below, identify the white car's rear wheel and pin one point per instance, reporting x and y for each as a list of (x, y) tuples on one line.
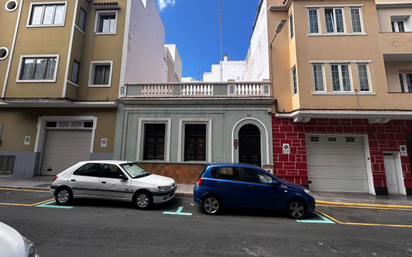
[(63, 196)]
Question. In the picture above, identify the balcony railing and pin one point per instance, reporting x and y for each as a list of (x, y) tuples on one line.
[(199, 89)]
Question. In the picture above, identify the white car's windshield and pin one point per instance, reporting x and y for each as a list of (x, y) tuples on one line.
[(134, 170)]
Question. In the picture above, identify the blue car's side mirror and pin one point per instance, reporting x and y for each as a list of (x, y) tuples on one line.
[(274, 183)]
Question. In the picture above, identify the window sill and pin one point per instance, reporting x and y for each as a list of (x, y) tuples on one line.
[(336, 34), (343, 93), (72, 83), (98, 85), (79, 29), (35, 81), (42, 26), (101, 33)]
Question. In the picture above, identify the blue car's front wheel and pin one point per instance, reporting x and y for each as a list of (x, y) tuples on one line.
[(296, 209)]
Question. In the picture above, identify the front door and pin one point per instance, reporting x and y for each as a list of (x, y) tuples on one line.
[(249, 145), (111, 185), (391, 173)]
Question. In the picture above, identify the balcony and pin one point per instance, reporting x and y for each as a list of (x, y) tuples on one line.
[(199, 90), (395, 42)]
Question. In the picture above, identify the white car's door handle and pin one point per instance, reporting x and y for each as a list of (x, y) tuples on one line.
[(103, 182), (72, 180)]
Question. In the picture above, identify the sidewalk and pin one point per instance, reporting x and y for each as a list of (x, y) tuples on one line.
[(186, 190)]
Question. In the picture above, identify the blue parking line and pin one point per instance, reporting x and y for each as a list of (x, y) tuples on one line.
[(324, 220), (53, 206), (178, 212)]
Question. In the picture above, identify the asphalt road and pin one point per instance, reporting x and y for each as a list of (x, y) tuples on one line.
[(177, 228)]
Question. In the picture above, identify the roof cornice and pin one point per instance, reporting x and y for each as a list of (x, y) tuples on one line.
[(393, 5)]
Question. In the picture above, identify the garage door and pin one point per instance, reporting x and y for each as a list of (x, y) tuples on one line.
[(63, 148), (336, 163)]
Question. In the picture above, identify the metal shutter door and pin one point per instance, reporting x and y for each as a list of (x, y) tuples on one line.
[(64, 148), (336, 166)]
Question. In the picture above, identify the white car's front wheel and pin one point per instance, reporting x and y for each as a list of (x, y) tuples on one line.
[(143, 200)]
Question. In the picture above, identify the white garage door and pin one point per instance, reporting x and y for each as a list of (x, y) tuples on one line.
[(336, 163), (63, 148)]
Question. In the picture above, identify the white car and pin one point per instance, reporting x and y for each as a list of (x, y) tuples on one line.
[(115, 180), (13, 244)]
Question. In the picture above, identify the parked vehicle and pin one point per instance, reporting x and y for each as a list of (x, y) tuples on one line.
[(245, 185), (13, 244), (115, 180)]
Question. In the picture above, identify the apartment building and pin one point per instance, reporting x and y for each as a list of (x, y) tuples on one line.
[(63, 67), (341, 73)]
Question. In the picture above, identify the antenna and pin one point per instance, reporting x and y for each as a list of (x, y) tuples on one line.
[(198, 75), (220, 26)]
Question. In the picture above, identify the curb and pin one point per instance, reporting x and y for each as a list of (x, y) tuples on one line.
[(389, 206)]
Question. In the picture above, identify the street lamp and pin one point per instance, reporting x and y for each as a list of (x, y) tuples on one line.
[(278, 29)]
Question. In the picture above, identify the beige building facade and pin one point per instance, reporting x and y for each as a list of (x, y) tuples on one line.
[(341, 73), (63, 66)]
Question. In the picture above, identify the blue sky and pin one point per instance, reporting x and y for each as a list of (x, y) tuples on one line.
[(193, 25)]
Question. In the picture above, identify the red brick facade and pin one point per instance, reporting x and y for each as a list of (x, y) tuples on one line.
[(382, 137)]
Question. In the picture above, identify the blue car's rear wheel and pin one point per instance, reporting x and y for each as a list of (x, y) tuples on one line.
[(296, 209), (211, 205)]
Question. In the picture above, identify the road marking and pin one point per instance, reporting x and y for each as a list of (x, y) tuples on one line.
[(27, 190), (178, 212), (46, 204), (324, 220), (364, 224), (365, 205), (24, 204)]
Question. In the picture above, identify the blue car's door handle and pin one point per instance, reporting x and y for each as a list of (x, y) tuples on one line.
[(251, 186), (219, 182)]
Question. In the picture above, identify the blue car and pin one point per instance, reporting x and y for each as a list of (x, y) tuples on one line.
[(247, 186)]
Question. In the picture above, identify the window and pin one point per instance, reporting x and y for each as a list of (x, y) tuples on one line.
[(397, 26), (318, 77), (255, 176), (154, 146), (82, 20), (106, 22), (291, 26), (75, 72), (334, 21), (405, 80), (195, 142), (340, 77), (90, 169), (111, 171), (314, 139), (41, 69), (4, 52), (313, 21), (294, 81), (350, 139), (47, 15), (101, 74), (11, 5), (229, 173), (363, 77), (356, 20)]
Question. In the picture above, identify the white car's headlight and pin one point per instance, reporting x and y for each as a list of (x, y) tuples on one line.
[(30, 248), (163, 188), (308, 192)]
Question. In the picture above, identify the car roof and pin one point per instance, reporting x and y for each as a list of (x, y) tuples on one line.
[(117, 162), (246, 165)]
